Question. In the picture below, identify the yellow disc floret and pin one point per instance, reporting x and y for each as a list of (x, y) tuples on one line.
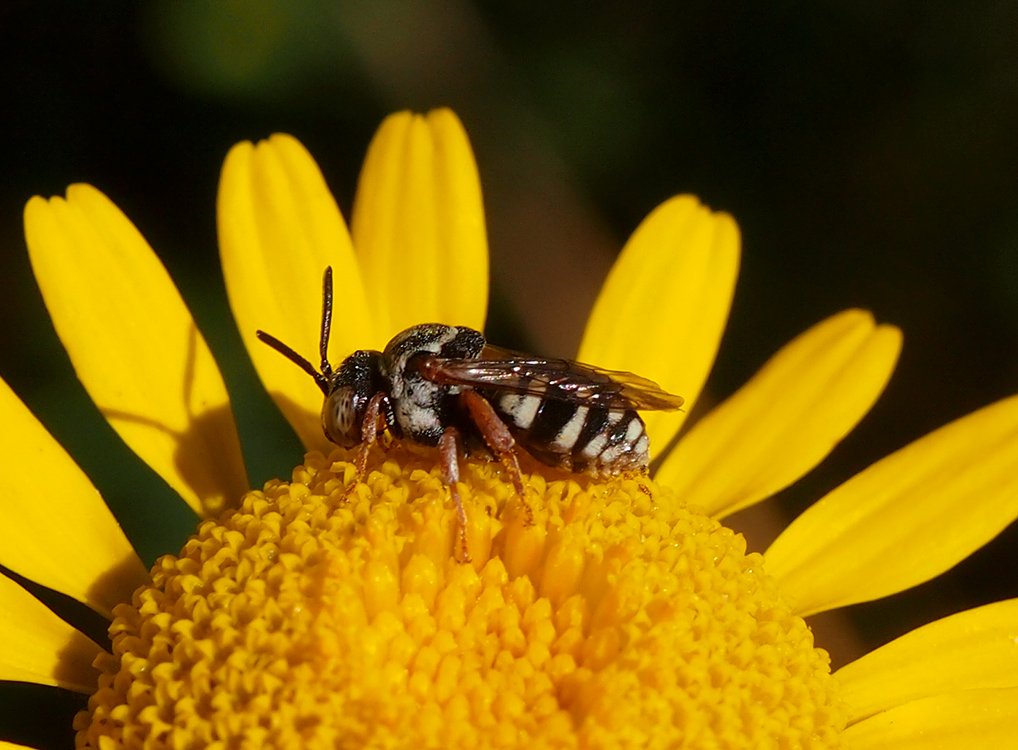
[(609, 616)]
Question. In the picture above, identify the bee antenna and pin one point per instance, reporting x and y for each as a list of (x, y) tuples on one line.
[(323, 343), (320, 378)]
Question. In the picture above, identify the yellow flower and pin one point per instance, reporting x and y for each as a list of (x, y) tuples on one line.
[(623, 614)]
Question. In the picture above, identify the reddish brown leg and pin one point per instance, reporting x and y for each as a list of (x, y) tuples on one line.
[(499, 439), (369, 435), (448, 451)]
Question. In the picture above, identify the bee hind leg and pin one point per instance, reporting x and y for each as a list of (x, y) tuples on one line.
[(499, 439)]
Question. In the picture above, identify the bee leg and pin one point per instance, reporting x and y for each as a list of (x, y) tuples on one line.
[(369, 436), (499, 439), (449, 450)]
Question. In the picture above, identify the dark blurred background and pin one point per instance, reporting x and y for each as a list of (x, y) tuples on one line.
[(868, 151)]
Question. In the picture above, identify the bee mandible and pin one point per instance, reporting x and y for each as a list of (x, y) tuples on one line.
[(441, 385)]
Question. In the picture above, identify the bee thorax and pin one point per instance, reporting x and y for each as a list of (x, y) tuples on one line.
[(423, 408)]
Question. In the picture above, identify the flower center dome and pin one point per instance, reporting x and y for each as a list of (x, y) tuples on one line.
[(610, 616)]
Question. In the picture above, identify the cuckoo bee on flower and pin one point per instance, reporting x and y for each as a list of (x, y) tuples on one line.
[(441, 385)]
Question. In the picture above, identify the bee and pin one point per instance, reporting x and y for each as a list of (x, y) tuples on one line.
[(446, 386)]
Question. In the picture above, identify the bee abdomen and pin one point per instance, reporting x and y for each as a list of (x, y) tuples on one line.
[(576, 436), (617, 443)]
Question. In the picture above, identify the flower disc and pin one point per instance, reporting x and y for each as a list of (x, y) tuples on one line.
[(601, 614)]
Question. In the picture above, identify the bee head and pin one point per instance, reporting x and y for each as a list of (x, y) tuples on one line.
[(351, 388), (348, 389)]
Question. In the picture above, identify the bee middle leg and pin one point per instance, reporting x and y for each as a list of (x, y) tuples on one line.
[(499, 439), (449, 452)]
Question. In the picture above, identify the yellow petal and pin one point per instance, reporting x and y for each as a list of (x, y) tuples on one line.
[(37, 646), (55, 529), (787, 418), (279, 227), (905, 519), (958, 721), (418, 225), (134, 345), (12, 746), (973, 649), (664, 305)]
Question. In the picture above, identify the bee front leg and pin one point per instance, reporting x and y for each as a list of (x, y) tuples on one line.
[(449, 451), (369, 433), (499, 439)]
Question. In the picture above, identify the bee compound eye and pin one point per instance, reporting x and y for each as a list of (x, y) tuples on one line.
[(339, 418)]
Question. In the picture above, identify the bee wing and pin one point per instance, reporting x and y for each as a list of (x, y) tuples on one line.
[(563, 379)]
